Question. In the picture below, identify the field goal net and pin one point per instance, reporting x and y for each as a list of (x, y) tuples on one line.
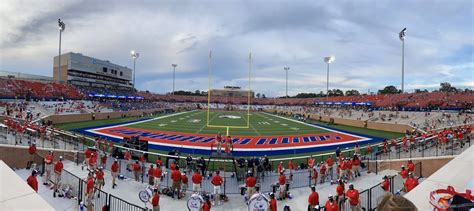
[(229, 107)]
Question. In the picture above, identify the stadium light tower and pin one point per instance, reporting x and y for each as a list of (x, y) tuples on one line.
[(61, 26), (134, 55), (174, 73), (328, 60), (286, 70), (401, 35)]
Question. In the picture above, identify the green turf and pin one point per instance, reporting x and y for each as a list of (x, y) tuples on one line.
[(94, 123), (260, 124)]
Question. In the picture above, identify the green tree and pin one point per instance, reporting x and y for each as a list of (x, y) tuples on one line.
[(446, 87), (389, 90), (352, 92)]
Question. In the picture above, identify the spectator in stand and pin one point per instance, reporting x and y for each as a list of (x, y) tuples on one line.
[(137, 170), (32, 181), (48, 159), (58, 168), (340, 197), (151, 178), (155, 200), (114, 170), (395, 203), (272, 204), (331, 205), (217, 181), (176, 177), (353, 196), (411, 166), (410, 183), (404, 172), (385, 184), (250, 183), (282, 183), (197, 180), (313, 199)]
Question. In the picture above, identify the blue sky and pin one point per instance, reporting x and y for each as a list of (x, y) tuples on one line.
[(362, 35)]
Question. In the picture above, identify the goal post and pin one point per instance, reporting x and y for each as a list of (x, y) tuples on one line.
[(209, 95)]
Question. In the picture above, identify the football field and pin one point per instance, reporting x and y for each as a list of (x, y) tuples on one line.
[(260, 124)]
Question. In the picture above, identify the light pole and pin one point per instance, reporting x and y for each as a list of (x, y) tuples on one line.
[(174, 73), (328, 60), (61, 26), (134, 57), (401, 35), (286, 70)]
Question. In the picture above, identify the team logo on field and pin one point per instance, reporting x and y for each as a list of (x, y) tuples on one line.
[(229, 117), (194, 120)]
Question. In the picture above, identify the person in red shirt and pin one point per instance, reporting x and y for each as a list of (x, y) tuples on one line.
[(404, 172), (111, 146), (322, 172), (311, 165), (127, 157), (369, 149), (330, 164), (405, 144), (142, 160), (217, 181), (385, 184), (206, 206), (340, 197), (159, 162), (137, 170), (93, 161), (32, 181), (88, 154), (356, 166), (151, 178), (411, 166), (173, 166), (155, 200), (157, 172), (410, 183), (280, 167), (353, 196), (250, 183), (282, 183), (314, 176), (313, 199), (331, 205), (197, 180), (114, 170), (217, 143), (349, 173), (184, 182), (58, 168), (343, 169), (99, 178), (103, 160), (31, 152), (176, 177), (48, 159), (89, 189), (291, 167), (228, 145), (272, 204)]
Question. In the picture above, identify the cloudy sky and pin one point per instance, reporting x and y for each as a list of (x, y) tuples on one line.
[(362, 35)]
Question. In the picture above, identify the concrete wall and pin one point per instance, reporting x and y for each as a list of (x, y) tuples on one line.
[(429, 164), (98, 116), (18, 156)]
